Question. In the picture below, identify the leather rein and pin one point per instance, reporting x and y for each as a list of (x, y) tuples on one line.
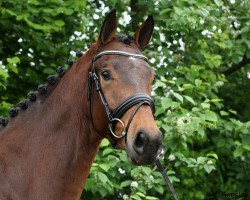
[(114, 116)]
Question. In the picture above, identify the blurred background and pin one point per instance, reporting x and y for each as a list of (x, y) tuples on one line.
[(200, 51)]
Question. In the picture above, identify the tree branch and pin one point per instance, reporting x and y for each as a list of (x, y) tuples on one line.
[(237, 66)]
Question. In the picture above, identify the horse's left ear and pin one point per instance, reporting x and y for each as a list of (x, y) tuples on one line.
[(108, 27), (144, 32)]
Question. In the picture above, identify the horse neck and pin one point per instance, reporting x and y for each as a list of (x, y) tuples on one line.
[(58, 141)]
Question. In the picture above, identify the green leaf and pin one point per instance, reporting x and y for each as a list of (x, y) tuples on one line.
[(126, 183), (147, 170), (89, 184), (216, 100), (224, 113), (246, 140), (201, 160), (59, 23), (166, 103), (212, 155), (247, 147), (13, 60), (140, 194), (12, 64), (237, 143), (210, 116), (13, 68), (35, 2), (238, 151), (166, 127), (151, 198), (107, 151), (68, 11), (190, 99), (105, 167), (188, 86), (4, 74), (219, 3), (174, 179), (103, 178), (159, 111), (177, 96), (48, 71), (232, 111), (36, 26), (198, 82), (205, 105), (209, 168), (159, 189), (136, 197), (164, 11), (10, 12), (135, 171), (104, 143), (159, 84)]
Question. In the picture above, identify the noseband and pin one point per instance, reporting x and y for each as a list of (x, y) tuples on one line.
[(114, 116)]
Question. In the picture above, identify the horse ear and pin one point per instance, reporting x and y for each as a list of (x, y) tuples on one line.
[(108, 27), (144, 32)]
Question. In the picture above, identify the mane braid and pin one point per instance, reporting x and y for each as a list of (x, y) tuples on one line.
[(42, 90)]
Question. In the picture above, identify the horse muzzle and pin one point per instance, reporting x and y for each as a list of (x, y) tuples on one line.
[(145, 148)]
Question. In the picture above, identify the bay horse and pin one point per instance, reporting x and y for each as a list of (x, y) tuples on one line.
[(49, 144)]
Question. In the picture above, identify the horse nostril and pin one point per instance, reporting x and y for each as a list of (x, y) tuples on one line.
[(140, 142)]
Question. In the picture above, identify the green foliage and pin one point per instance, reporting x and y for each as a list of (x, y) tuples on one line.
[(35, 38), (203, 112)]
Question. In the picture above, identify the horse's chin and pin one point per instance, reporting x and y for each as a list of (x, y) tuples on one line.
[(137, 160)]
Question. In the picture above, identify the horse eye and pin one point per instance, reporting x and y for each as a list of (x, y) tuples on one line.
[(106, 75)]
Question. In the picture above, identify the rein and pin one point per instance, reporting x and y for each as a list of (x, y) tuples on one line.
[(115, 116)]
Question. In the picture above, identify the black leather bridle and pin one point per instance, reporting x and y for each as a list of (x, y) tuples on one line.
[(114, 116)]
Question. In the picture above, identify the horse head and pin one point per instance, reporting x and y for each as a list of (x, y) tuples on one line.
[(120, 85)]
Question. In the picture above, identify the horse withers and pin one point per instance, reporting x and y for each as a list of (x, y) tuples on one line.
[(49, 144)]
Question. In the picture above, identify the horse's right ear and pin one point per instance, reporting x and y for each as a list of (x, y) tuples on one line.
[(108, 27), (144, 32)]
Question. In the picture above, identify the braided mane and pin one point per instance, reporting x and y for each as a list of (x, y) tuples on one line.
[(43, 91)]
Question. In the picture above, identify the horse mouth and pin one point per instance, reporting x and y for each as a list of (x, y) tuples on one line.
[(145, 159), (139, 161)]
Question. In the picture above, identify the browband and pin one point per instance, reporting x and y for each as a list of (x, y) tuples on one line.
[(113, 52)]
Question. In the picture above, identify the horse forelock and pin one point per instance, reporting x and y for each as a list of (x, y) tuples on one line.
[(126, 39)]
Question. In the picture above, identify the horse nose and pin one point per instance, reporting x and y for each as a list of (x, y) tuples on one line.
[(141, 142)]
